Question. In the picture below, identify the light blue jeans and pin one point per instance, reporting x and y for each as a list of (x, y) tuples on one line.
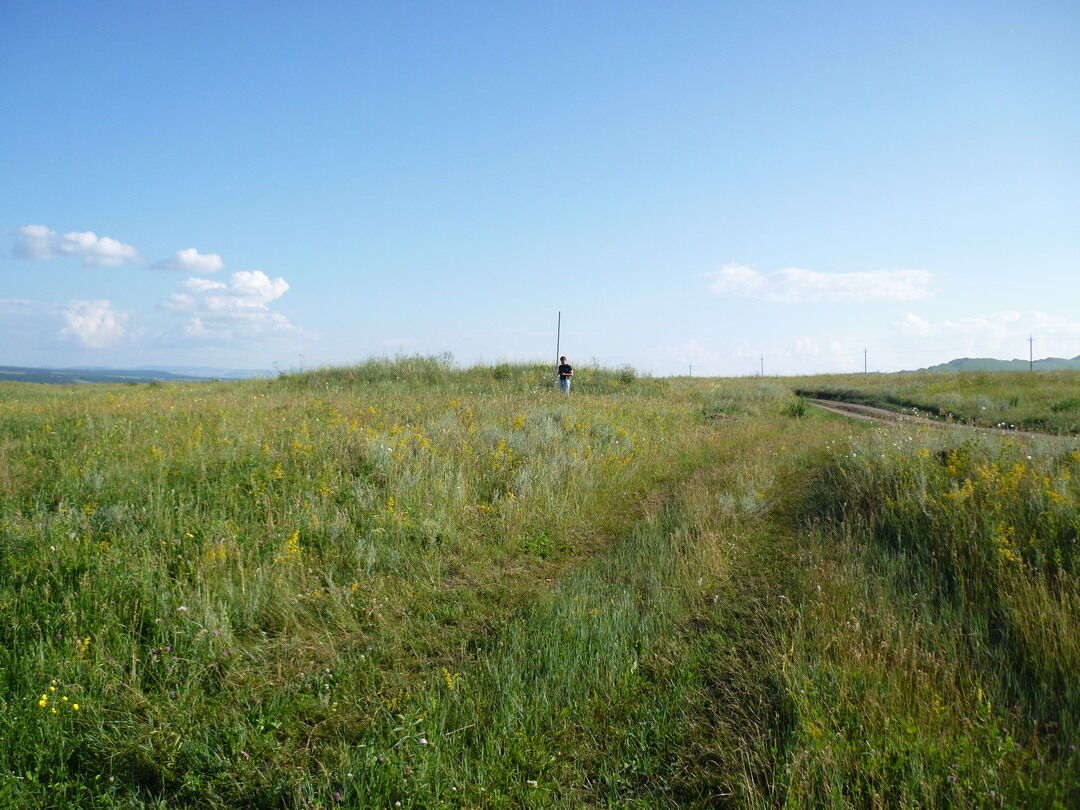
[(564, 384)]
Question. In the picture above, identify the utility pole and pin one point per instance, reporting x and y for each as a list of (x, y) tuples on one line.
[(691, 369), (762, 365), (864, 360), (1031, 352)]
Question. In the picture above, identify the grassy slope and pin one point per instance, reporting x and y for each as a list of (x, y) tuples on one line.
[(400, 583)]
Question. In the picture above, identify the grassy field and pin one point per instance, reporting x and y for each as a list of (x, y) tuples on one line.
[(401, 584)]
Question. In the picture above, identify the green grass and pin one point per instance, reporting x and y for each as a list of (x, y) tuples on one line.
[(403, 582)]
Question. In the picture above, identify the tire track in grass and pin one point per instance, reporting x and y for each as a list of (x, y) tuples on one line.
[(494, 736), (644, 678)]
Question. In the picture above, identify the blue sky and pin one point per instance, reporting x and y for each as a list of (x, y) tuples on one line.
[(255, 184)]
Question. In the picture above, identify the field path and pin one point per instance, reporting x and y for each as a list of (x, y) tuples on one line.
[(872, 414)]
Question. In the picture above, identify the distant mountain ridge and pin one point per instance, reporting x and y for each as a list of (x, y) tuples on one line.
[(68, 376), (990, 364)]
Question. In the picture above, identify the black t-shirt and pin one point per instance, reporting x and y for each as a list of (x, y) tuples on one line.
[(565, 370)]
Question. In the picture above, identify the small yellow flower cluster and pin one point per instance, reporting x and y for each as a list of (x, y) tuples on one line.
[(393, 515), (48, 698), (963, 492), (1010, 481), (954, 463), (450, 678), (502, 456), (215, 553), (1005, 538), (292, 550)]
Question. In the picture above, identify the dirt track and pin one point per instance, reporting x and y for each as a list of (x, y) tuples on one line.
[(873, 414)]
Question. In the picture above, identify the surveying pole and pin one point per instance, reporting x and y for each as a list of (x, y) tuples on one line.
[(558, 338)]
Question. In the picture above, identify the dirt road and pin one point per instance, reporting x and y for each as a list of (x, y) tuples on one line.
[(872, 414)]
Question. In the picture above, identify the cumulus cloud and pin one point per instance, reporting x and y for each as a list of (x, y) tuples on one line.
[(1058, 325), (239, 308), (94, 324), (996, 325), (806, 346), (37, 242), (189, 260), (795, 285), (1005, 332)]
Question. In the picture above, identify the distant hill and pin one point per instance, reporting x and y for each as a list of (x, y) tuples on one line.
[(990, 364), (211, 373), (67, 376)]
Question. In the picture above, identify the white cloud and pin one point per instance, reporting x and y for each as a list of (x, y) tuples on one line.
[(94, 324), (912, 324), (37, 242), (736, 279), (1057, 325), (994, 325), (34, 242), (795, 285), (216, 310), (997, 334), (805, 346), (189, 260)]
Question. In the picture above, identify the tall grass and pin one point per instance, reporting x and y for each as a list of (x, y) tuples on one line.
[(936, 657)]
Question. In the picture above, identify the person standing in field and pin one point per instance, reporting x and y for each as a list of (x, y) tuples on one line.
[(565, 372)]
